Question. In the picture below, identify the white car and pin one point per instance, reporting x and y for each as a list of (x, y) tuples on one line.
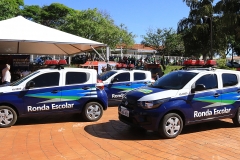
[(51, 91), (118, 82), (182, 98), (233, 64)]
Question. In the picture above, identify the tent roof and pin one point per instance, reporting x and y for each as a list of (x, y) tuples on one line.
[(22, 36)]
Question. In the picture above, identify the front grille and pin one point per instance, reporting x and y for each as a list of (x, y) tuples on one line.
[(131, 103)]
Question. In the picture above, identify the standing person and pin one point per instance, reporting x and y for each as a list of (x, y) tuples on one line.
[(157, 76), (6, 75), (25, 72)]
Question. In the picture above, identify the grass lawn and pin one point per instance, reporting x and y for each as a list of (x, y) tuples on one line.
[(170, 68)]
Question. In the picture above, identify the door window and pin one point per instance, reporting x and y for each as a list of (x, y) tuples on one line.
[(229, 79), (209, 81), (47, 80), (139, 76)]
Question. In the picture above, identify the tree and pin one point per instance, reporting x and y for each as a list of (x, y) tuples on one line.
[(53, 15), (196, 29), (10, 8), (230, 20), (93, 25), (164, 41), (174, 44), (32, 13)]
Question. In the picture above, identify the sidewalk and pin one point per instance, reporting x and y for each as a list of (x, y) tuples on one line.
[(67, 137)]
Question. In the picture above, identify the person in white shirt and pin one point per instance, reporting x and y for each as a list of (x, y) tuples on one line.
[(6, 75), (25, 73)]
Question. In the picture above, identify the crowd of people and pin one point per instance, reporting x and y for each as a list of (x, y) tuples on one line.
[(149, 59)]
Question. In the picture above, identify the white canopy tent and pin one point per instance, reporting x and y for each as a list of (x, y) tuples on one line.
[(21, 36)]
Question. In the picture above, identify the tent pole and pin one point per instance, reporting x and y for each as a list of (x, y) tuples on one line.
[(18, 48), (108, 52), (97, 52)]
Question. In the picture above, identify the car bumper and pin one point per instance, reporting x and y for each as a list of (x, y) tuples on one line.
[(147, 119)]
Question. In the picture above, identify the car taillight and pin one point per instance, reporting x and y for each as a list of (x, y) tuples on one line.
[(100, 86), (99, 81)]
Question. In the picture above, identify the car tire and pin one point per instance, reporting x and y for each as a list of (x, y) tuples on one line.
[(92, 111), (171, 125), (8, 116), (236, 118)]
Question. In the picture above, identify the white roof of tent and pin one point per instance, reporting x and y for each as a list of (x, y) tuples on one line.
[(21, 36)]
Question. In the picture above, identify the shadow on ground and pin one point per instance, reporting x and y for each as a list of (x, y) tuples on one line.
[(119, 131), (56, 118), (46, 119)]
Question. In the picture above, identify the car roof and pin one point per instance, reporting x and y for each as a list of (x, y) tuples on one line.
[(199, 70), (70, 69), (134, 70)]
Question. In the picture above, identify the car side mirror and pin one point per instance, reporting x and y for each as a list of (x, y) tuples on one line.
[(114, 80), (30, 84), (199, 87)]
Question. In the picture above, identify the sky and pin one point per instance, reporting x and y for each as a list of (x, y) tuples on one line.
[(137, 15)]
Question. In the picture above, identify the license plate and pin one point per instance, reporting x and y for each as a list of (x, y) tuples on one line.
[(124, 111)]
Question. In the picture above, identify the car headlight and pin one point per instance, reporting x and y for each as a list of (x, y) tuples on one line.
[(152, 104)]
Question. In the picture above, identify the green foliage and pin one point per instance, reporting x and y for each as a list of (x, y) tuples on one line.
[(221, 64), (53, 15), (155, 38), (174, 44), (165, 41), (222, 25), (32, 12), (10, 8), (93, 25), (170, 68)]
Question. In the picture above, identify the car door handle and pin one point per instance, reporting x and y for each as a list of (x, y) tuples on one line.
[(238, 91), (55, 91), (129, 84), (85, 88), (216, 95)]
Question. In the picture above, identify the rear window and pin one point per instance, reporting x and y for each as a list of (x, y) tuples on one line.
[(76, 77), (229, 79), (139, 76)]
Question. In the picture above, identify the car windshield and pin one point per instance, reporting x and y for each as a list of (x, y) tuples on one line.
[(174, 80), (23, 79), (105, 75)]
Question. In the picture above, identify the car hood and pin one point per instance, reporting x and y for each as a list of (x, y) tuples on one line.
[(150, 94)]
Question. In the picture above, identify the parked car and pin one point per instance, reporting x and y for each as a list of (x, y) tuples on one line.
[(181, 98), (233, 64), (40, 60), (118, 82), (51, 91)]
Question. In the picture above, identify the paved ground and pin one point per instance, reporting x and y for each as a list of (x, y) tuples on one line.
[(69, 137)]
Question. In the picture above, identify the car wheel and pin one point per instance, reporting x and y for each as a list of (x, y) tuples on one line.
[(93, 111), (171, 125), (8, 116), (236, 118)]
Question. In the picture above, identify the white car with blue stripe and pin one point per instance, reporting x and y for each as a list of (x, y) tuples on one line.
[(181, 98), (118, 82), (51, 91)]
